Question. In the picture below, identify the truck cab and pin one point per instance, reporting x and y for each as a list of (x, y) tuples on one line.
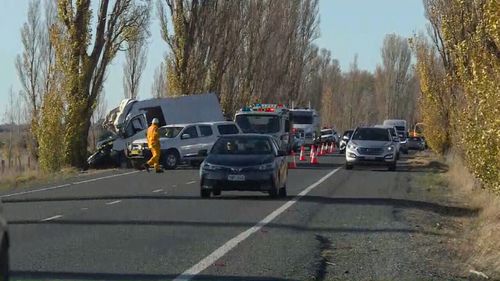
[(269, 119)]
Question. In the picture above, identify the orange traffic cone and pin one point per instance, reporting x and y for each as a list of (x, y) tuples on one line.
[(302, 157), (319, 152), (331, 148), (314, 159), (293, 164), (323, 150), (313, 150)]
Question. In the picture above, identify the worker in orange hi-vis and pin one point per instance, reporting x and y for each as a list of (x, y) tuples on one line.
[(154, 146)]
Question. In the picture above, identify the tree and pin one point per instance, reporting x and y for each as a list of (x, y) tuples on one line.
[(135, 63), (159, 87), (84, 67), (395, 76)]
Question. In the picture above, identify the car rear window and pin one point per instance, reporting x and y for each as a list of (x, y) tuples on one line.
[(238, 145), (227, 129)]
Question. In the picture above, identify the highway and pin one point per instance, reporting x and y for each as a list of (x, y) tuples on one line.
[(132, 225)]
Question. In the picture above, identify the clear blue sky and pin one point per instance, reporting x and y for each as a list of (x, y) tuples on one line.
[(348, 27)]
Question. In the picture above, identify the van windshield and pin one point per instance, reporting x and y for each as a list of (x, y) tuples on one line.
[(400, 128), (170, 132), (258, 123)]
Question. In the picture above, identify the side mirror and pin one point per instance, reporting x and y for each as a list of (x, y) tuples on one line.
[(345, 138), (185, 136), (281, 153), (203, 153)]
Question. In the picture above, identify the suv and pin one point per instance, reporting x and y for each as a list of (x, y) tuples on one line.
[(395, 138), (181, 143), (370, 146), (329, 136)]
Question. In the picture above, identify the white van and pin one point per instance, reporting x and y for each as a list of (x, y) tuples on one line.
[(306, 123), (181, 143)]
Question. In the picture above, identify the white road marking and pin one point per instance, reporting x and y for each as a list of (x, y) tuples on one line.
[(229, 245), (52, 218), (114, 202), (174, 185), (158, 190), (84, 209), (66, 185), (190, 182)]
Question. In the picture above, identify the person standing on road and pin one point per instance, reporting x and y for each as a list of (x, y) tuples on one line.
[(154, 146)]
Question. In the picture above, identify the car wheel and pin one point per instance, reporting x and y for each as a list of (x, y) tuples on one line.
[(171, 160), (217, 192), (4, 261), (205, 193), (392, 167), (348, 166), (282, 192), (138, 165)]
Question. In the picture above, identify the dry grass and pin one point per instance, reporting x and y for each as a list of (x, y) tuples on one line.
[(13, 178), (482, 234)]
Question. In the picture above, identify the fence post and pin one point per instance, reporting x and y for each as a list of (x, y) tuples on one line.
[(3, 166), (29, 162)]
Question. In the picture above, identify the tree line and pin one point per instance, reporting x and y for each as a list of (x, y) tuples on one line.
[(458, 63), (244, 51)]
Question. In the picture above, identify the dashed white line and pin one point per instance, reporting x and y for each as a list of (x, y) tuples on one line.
[(190, 182), (158, 190), (52, 218), (67, 184), (229, 245), (114, 202), (84, 209)]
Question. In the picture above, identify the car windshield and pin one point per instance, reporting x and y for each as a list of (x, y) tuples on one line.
[(245, 145), (302, 118), (258, 123), (170, 132), (326, 132), (373, 134)]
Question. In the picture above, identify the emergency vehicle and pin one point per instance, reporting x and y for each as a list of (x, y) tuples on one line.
[(269, 119)]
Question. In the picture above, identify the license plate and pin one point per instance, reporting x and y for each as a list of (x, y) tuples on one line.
[(236, 177), (135, 152), (370, 157)]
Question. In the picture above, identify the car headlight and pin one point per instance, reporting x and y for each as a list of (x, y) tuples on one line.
[(265, 167), (211, 167), (390, 148), (352, 146)]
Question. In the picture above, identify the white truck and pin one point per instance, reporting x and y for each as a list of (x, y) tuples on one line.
[(130, 120), (306, 123), (270, 119), (402, 131)]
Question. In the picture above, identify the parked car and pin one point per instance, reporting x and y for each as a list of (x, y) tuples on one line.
[(4, 247), (372, 146), (329, 136), (346, 136), (181, 143), (417, 143), (246, 162)]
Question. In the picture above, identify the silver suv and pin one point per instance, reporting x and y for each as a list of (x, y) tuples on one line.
[(371, 146)]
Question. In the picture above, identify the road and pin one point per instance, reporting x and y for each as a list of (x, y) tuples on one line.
[(127, 225)]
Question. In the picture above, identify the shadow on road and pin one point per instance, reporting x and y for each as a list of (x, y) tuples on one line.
[(397, 203), (49, 275)]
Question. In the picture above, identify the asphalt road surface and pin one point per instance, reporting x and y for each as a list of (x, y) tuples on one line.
[(129, 225)]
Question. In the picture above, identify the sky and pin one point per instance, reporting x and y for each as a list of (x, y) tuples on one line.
[(347, 28)]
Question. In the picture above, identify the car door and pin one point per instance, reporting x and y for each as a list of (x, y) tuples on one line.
[(281, 162), (207, 137), (189, 142)]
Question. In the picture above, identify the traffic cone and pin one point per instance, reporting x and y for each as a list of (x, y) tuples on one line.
[(314, 159), (331, 148), (319, 152), (323, 150), (302, 157), (334, 147), (293, 164), (313, 150)]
